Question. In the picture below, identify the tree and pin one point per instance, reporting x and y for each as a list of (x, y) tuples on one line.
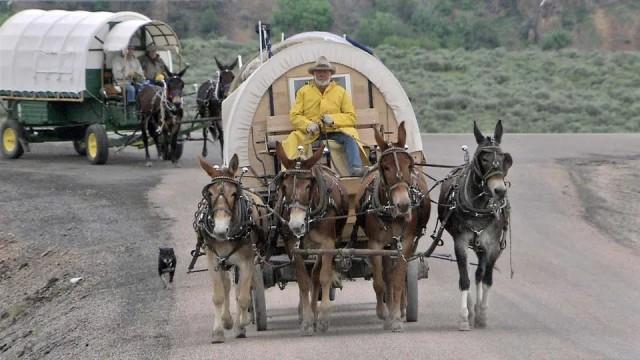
[(208, 22), (294, 16)]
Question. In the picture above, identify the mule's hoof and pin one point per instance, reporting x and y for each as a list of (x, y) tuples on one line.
[(322, 325), (464, 326), (396, 326), (218, 337), (481, 317), (306, 328), (148, 164), (386, 325), (227, 322), (241, 333), (382, 312), (177, 165)]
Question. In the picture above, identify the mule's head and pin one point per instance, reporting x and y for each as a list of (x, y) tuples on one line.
[(226, 77), (297, 184), (175, 86), (395, 166), (221, 194), (490, 162)]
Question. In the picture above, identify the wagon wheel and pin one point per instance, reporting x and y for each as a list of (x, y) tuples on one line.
[(258, 302), (412, 291), (80, 147), (97, 144), (10, 133)]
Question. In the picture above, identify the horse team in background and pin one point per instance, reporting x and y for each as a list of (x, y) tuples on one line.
[(209, 99), (393, 208)]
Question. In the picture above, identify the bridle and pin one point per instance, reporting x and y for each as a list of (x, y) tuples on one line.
[(383, 184), (239, 210), (312, 213), (495, 168)]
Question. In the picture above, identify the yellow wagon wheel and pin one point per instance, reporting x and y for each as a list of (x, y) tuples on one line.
[(10, 133), (97, 144)]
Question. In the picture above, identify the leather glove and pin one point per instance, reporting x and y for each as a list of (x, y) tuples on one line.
[(327, 120), (313, 128)]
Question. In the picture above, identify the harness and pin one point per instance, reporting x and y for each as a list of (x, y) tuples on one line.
[(371, 201), (241, 220), (315, 210), (460, 200)]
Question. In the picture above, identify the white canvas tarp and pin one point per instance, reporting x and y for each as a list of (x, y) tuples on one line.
[(50, 50), (156, 32), (239, 108)]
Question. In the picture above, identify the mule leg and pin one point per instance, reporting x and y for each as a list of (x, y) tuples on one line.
[(315, 287), (304, 286), (378, 283), (243, 297), (482, 304), (326, 277), (204, 141), (218, 298), (227, 320), (145, 138), (174, 143), (398, 284), (466, 313), (220, 136)]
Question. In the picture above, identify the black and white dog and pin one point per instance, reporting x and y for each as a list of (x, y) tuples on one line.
[(166, 265)]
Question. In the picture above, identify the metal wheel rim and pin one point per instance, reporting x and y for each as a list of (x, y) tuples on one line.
[(9, 140), (92, 145)]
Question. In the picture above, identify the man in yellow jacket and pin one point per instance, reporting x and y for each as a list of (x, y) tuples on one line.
[(324, 105)]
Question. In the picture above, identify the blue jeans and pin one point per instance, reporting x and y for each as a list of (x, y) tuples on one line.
[(350, 147), (131, 90)]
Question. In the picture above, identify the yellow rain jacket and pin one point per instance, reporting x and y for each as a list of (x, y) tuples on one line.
[(310, 107)]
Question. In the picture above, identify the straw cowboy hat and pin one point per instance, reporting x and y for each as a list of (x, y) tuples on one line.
[(322, 64)]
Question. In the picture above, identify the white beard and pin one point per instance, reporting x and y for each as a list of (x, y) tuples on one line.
[(322, 83)]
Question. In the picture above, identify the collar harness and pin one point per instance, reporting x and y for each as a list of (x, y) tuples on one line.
[(240, 212)]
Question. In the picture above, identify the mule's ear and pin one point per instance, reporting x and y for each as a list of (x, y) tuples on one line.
[(166, 69), (506, 164), (497, 133), (379, 138), (308, 164), (218, 63), (181, 73), (282, 156), (477, 133), (402, 135), (233, 64), (207, 167), (233, 164)]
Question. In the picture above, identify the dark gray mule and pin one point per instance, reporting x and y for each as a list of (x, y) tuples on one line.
[(474, 209)]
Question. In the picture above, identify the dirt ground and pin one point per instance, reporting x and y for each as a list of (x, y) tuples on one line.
[(610, 192), (65, 219), (62, 219)]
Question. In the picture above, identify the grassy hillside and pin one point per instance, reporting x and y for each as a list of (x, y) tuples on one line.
[(530, 90)]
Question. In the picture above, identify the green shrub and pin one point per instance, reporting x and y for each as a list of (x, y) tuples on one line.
[(294, 16), (374, 29), (556, 40)]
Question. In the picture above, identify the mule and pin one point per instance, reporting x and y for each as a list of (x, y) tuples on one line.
[(310, 196), (209, 98), (230, 223), (474, 209), (160, 112), (394, 209)]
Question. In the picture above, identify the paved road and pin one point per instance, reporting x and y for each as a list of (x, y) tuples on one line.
[(575, 293)]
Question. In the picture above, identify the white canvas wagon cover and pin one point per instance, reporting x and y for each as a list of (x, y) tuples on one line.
[(50, 51), (240, 106)]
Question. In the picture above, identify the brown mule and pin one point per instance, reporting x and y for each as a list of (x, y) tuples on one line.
[(230, 221), (397, 198), (309, 196)]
